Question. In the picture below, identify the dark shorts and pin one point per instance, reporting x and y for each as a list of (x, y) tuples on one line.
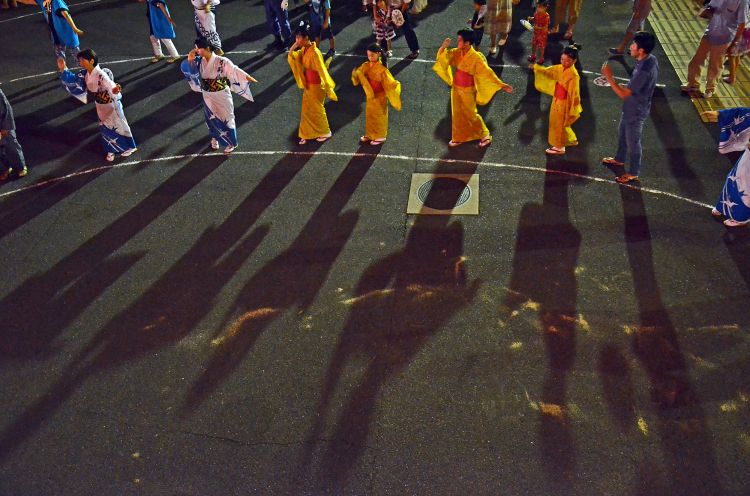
[(317, 31)]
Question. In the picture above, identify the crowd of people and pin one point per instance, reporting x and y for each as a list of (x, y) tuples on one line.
[(464, 69)]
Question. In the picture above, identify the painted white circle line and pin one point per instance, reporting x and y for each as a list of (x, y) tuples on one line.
[(498, 165), (244, 52), (39, 11)]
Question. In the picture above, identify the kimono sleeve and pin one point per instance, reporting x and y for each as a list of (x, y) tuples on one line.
[(734, 127), (392, 89), (359, 76), (75, 84), (298, 71), (485, 80), (237, 79), (192, 74), (573, 88), (442, 66), (326, 81), (545, 78)]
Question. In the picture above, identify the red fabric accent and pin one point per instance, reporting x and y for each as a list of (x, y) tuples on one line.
[(312, 76), (560, 92), (463, 79), (376, 86)]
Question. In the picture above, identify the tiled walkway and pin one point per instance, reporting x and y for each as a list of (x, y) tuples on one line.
[(679, 30)]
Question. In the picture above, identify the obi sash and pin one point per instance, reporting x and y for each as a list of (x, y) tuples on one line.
[(102, 97), (376, 86), (560, 92), (463, 79), (312, 77), (213, 85)]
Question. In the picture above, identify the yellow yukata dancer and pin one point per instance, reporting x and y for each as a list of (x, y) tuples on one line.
[(380, 87), (312, 77), (475, 84), (562, 82)]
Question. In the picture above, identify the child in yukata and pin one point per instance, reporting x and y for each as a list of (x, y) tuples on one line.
[(562, 82), (540, 22), (380, 88), (162, 30), (383, 24)]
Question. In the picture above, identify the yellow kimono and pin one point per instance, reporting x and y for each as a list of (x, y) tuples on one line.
[(566, 101), (466, 123), (308, 68), (380, 88)]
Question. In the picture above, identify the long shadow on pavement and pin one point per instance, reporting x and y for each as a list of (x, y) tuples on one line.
[(401, 301), (689, 453), (289, 281), (547, 245)]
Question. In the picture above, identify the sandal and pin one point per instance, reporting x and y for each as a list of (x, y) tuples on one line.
[(321, 139), (485, 142), (716, 213), (453, 143), (553, 150), (377, 142), (612, 161), (302, 141), (626, 178), (734, 223), (364, 139)]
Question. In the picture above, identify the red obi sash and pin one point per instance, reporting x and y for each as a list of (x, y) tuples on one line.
[(463, 79), (376, 86), (560, 92), (312, 77)]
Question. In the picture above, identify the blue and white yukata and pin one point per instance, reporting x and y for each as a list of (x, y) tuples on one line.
[(214, 78), (161, 30), (734, 202), (205, 22), (64, 39)]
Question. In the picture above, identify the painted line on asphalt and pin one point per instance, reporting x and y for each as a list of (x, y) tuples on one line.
[(39, 11), (498, 165)]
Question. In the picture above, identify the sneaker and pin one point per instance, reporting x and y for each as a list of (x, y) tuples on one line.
[(413, 55), (614, 52), (214, 144), (727, 80), (128, 153), (493, 50), (110, 157), (23, 172), (229, 149), (156, 58), (708, 93)]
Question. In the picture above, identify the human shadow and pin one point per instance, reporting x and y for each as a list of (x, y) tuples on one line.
[(691, 461), (35, 313), (547, 246), (530, 107), (290, 281), (400, 302), (617, 386)]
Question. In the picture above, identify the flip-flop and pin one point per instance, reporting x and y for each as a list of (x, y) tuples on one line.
[(302, 141), (626, 178), (452, 143), (554, 151), (485, 142)]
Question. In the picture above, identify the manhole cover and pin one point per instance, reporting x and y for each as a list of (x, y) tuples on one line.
[(444, 193)]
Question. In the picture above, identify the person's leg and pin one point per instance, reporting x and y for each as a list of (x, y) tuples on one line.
[(171, 49), (271, 21), (573, 11), (14, 154), (633, 132), (696, 63), (622, 143), (282, 20), (716, 56), (733, 61), (156, 47), (409, 34)]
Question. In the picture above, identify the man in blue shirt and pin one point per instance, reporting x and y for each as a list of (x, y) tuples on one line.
[(724, 31), (636, 104)]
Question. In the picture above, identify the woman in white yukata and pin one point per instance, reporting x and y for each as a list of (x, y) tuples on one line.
[(216, 77), (116, 135), (205, 22)]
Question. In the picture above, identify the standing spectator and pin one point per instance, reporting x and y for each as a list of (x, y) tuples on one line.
[(724, 31), (477, 22), (205, 22), (409, 34), (11, 154), (569, 9), (277, 19), (162, 30), (499, 19), (636, 104), (641, 10), (475, 83), (320, 24)]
